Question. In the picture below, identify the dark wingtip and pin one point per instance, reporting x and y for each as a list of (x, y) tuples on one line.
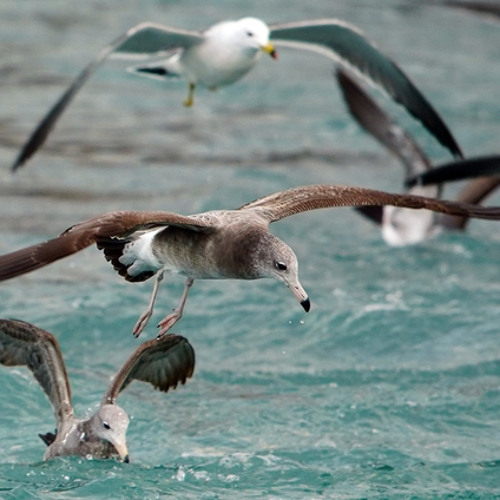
[(468, 168), (23, 156), (306, 304), (16, 165), (157, 70)]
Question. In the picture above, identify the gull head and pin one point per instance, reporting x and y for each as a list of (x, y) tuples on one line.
[(253, 34), (110, 424), (275, 259)]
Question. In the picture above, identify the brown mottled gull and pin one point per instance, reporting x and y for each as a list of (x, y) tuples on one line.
[(220, 244), (163, 363)]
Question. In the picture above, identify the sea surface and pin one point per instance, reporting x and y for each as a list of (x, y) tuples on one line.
[(389, 388)]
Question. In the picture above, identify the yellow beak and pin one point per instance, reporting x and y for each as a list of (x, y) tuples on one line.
[(269, 49)]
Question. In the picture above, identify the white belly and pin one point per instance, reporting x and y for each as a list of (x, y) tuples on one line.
[(215, 66)]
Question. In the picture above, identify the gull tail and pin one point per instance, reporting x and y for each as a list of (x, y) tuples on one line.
[(113, 249), (48, 438), (156, 71)]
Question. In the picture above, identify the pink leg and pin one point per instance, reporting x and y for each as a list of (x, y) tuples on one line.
[(144, 317), (170, 320)]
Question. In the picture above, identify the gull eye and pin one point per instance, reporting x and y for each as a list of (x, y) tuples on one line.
[(249, 33), (106, 426), (280, 266)]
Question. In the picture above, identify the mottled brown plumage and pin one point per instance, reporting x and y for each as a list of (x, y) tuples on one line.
[(212, 245)]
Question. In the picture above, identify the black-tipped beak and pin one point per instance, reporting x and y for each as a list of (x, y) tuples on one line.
[(126, 459), (306, 304)]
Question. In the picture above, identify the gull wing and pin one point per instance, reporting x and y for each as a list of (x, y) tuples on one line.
[(474, 192), (151, 39), (144, 37), (84, 234), (467, 168), (163, 362), (24, 344), (374, 120), (346, 44), (302, 199)]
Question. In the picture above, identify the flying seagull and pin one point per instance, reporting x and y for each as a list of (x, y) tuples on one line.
[(220, 244), (228, 50), (401, 226), (163, 363)]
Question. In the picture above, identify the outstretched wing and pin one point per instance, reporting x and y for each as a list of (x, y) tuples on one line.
[(345, 43), (302, 199), (163, 362), (152, 38), (381, 126), (374, 120), (24, 344), (86, 233), (145, 37)]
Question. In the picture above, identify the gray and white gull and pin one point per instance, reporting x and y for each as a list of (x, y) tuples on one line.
[(228, 50)]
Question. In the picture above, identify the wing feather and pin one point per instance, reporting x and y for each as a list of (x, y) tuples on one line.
[(474, 191), (458, 170), (381, 126), (86, 233), (24, 344), (133, 40), (164, 363), (346, 44), (374, 120), (302, 199)]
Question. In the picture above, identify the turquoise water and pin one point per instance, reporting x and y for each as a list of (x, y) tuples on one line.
[(388, 388)]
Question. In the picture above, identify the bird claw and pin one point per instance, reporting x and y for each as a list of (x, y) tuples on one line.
[(141, 323), (167, 323)]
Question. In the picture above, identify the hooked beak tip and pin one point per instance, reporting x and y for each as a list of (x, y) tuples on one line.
[(123, 453), (306, 304)]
